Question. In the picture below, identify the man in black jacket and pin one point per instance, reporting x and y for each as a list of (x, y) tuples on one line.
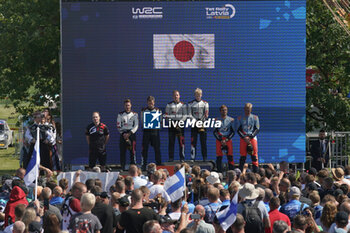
[(319, 151), (104, 212)]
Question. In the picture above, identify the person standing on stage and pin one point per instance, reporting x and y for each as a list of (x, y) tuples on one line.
[(150, 136), (320, 151), (248, 127), (223, 137), (174, 112), (127, 125), (198, 110), (97, 136), (45, 159)]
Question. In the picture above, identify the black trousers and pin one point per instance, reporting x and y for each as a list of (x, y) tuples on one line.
[(124, 145), (151, 137), (179, 134), (203, 139), (94, 155)]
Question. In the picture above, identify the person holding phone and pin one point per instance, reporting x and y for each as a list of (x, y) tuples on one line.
[(198, 222)]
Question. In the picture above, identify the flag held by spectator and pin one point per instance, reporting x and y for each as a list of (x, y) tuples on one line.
[(32, 170), (227, 216), (184, 51), (175, 185)]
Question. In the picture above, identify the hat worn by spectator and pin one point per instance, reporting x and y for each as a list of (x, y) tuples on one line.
[(313, 171), (248, 191), (167, 219), (35, 227), (338, 173), (294, 192), (124, 201), (103, 195), (213, 178)]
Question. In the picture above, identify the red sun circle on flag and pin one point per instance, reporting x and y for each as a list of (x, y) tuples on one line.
[(183, 51)]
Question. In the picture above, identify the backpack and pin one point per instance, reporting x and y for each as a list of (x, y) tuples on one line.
[(66, 212), (209, 216), (252, 216)]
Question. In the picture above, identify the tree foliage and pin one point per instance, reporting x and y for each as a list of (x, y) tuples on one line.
[(29, 52), (328, 51)]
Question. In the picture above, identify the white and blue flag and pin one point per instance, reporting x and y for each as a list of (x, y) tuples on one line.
[(227, 216), (32, 170), (175, 185)]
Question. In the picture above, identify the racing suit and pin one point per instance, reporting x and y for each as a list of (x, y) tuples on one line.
[(127, 123), (199, 111), (223, 137), (248, 126), (174, 112)]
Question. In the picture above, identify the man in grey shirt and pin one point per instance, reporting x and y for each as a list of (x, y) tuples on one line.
[(199, 225)]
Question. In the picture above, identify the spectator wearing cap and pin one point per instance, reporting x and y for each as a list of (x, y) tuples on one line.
[(17, 196), (294, 206), (157, 187), (123, 204), (104, 212), (275, 215), (167, 224), (134, 218), (344, 207), (35, 227), (341, 220), (138, 181), (338, 176), (249, 194), (200, 225), (328, 216)]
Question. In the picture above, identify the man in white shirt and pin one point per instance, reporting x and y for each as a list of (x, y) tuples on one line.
[(158, 187)]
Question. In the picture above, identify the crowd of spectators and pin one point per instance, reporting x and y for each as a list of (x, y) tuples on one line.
[(271, 201)]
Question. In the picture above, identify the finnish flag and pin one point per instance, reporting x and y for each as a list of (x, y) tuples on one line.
[(32, 170), (184, 51), (227, 216), (175, 185)]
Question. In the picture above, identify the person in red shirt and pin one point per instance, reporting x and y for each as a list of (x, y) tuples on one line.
[(275, 215), (17, 196)]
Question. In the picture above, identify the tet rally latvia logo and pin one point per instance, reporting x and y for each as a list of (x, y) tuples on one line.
[(151, 120)]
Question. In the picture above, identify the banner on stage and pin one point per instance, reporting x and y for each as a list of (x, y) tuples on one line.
[(107, 178)]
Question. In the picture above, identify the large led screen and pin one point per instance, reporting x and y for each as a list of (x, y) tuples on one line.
[(236, 52)]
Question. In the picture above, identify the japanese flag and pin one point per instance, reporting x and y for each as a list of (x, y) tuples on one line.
[(184, 51)]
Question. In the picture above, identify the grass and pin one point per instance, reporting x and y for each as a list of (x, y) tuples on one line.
[(9, 162)]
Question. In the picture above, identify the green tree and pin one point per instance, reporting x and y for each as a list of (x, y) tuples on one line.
[(328, 51), (29, 52)]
